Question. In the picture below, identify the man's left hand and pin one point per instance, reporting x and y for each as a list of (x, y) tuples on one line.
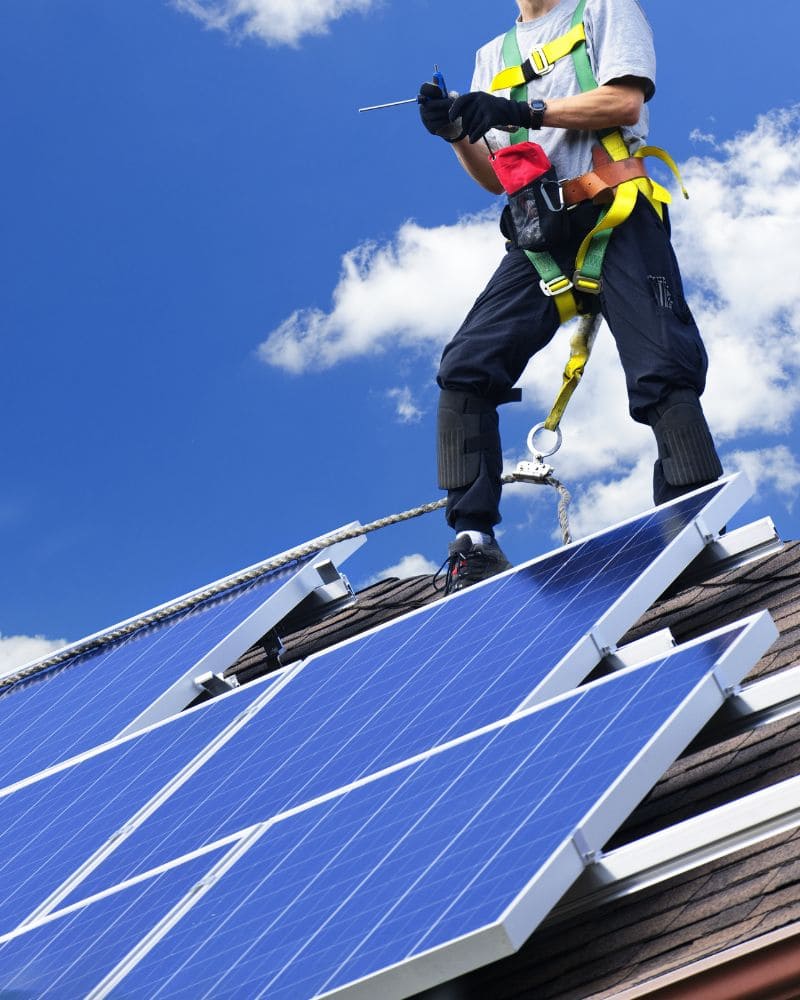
[(480, 112)]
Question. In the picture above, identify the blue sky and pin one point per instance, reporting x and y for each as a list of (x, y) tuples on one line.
[(182, 187)]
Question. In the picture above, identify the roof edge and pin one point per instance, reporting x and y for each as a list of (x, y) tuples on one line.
[(767, 967)]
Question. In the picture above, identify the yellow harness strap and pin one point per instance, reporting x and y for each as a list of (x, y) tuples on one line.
[(624, 201), (580, 348), (541, 60), (565, 304), (627, 192)]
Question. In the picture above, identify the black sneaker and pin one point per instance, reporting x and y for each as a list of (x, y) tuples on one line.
[(468, 563)]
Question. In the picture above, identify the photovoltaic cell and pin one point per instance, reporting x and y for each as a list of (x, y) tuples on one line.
[(396, 870), (67, 956), (424, 679), (92, 698), (49, 827)]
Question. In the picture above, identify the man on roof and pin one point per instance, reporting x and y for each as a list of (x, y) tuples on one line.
[(576, 80)]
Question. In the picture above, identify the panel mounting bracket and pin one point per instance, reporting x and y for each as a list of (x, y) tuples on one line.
[(215, 684), (603, 647), (704, 531), (587, 854)]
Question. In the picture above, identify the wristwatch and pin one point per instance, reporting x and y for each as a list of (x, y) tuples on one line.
[(538, 109)]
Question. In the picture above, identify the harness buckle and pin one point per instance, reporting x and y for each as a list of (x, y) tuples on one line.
[(539, 61), (586, 284), (556, 286)]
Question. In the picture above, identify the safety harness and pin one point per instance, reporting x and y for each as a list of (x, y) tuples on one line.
[(617, 176)]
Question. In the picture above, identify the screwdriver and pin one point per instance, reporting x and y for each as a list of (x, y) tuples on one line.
[(438, 79)]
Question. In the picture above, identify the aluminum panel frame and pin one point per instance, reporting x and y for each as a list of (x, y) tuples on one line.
[(542, 893), (276, 607), (732, 492), (601, 640)]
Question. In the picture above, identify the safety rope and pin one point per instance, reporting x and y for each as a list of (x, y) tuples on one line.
[(250, 574), (564, 500)]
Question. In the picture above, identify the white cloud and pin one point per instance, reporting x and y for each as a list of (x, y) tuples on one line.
[(276, 22), (737, 242), (775, 468), (411, 565), (406, 409), (411, 293), (15, 650), (609, 500), (697, 135)]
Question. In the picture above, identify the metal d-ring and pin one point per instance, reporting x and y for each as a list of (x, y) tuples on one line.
[(532, 442)]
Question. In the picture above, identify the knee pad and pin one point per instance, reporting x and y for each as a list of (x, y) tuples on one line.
[(685, 447), (467, 427)]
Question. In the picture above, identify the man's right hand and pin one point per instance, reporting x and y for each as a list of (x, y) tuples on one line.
[(434, 110)]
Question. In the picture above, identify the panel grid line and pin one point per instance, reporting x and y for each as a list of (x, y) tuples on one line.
[(190, 899), (147, 810)]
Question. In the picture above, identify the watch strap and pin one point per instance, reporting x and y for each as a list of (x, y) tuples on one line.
[(538, 108)]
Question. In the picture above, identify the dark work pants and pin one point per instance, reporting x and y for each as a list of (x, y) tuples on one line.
[(642, 301)]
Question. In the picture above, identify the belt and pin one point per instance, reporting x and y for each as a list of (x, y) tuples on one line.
[(599, 183)]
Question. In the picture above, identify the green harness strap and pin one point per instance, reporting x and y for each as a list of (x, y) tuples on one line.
[(580, 57), (593, 263), (553, 280)]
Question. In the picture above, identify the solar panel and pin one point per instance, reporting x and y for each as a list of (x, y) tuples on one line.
[(51, 825), (350, 712), (439, 864), (477, 657), (121, 687), (67, 957)]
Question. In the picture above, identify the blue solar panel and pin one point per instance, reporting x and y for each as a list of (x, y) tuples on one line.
[(66, 957), (92, 698), (424, 679), (50, 827), (449, 848)]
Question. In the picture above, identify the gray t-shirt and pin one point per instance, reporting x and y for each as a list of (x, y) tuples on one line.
[(619, 42)]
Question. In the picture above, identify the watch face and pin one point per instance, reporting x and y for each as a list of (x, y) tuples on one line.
[(538, 108)]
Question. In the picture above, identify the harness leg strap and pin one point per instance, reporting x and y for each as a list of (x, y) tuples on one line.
[(686, 452), (467, 426)]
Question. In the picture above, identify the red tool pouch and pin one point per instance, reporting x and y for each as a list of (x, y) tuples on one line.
[(536, 217)]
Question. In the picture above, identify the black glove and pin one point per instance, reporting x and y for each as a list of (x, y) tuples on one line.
[(434, 110), (479, 112)]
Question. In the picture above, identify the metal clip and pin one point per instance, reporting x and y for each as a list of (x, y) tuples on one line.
[(537, 471), (540, 64), (548, 200), (587, 285), (556, 286), (537, 453), (532, 472)]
